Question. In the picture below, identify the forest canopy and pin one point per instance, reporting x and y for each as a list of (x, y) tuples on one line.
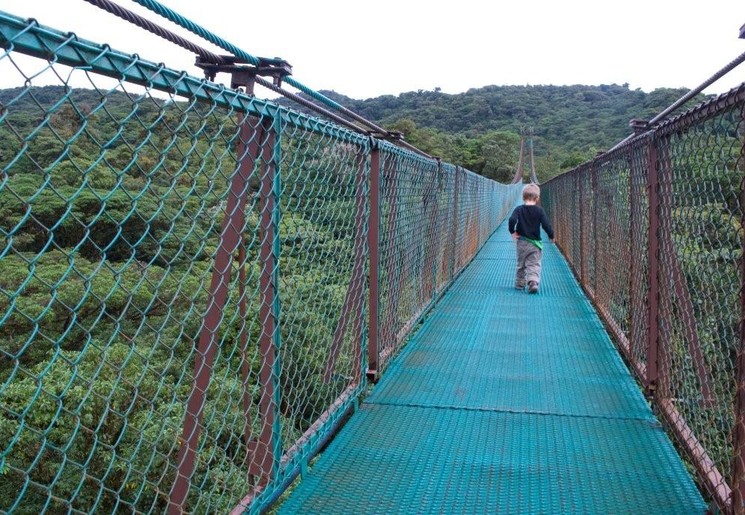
[(479, 129)]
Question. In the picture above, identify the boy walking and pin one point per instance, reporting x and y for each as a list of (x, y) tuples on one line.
[(525, 227)]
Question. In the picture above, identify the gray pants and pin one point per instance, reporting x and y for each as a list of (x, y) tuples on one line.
[(528, 263)]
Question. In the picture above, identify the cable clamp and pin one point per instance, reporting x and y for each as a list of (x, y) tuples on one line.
[(243, 76)]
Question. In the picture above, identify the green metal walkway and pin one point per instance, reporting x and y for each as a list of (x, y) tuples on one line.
[(503, 402)]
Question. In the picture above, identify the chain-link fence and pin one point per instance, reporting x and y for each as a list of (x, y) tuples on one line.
[(654, 231), (186, 276), (434, 218)]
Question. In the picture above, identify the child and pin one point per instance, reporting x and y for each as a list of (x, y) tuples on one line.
[(525, 227)]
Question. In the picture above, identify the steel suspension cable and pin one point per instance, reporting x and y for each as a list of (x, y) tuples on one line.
[(339, 107), (711, 80), (166, 34), (692, 93), (154, 28), (310, 105), (176, 18), (192, 27)]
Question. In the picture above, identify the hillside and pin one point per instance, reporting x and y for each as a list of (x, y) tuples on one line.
[(570, 123), (478, 129)]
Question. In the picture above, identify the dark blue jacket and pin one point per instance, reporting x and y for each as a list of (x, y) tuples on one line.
[(528, 220)]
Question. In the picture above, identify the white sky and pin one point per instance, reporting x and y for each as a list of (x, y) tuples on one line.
[(369, 48)]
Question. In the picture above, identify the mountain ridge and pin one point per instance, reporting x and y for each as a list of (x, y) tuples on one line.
[(570, 124)]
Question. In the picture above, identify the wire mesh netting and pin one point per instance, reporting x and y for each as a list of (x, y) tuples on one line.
[(434, 218), (409, 204), (184, 278), (700, 184), (638, 231), (658, 244)]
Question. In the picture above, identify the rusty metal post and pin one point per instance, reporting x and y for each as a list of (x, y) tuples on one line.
[(387, 331), (594, 195), (472, 226), (353, 299), (653, 260), (478, 215), (454, 227), (583, 239), (266, 450), (634, 275), (439, 259), (358, 272), (429, 270), (738, 472), (373, 245), (247, 150)]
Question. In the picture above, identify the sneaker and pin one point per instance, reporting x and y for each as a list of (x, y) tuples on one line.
[(532, 287)]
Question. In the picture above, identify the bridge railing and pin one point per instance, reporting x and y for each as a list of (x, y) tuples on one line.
[(654, 231), (196, 284)]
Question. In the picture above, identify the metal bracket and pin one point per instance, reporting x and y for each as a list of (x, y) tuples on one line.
[(639, 126), (650, 390), (388, 136), (242, 75)]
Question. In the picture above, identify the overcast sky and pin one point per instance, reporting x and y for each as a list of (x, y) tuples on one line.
[(369, 48)]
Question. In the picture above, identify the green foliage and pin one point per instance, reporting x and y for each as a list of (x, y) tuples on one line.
[(110, 213), (570, 123)]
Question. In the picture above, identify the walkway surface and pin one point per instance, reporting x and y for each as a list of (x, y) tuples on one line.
[(503, 402)]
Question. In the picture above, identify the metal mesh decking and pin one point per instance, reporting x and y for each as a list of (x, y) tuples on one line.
[(503, 402)]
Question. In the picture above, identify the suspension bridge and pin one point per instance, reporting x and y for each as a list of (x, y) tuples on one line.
[(211, 302)]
